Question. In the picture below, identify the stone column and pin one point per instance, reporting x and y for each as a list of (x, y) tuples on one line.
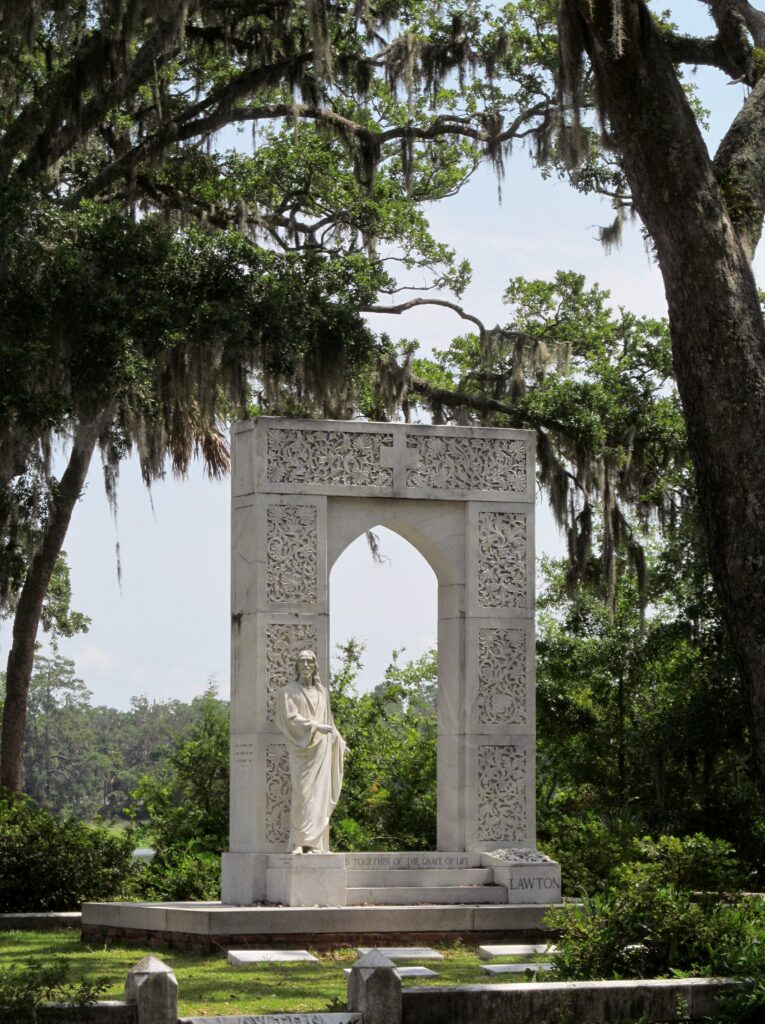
[(500, 678), (279, 607), (151, 985), (374, 989)]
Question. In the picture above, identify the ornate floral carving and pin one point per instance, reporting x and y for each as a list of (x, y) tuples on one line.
[(291, 553), (501, 676), (284, 640), (522, 855), (343, 457), (278, 793), (501, 793), (502, 576), (467, 463)]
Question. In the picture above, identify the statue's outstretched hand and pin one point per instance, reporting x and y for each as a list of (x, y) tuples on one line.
[(323, 728)]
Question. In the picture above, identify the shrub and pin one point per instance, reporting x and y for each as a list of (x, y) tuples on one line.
[(673, 910), (175, 874), (52, 863), (24, 988), (587, 849)]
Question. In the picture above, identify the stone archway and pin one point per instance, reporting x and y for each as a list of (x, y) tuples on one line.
[(464, 498)]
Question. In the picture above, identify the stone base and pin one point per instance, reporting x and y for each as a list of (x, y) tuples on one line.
[(385, 878), (306, 880), (211, 926)]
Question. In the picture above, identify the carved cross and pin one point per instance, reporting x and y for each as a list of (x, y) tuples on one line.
[(399, 458)]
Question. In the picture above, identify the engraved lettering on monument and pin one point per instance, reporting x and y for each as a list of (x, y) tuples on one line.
[(501, 793), (467, 463), (501, 676), (284, 641), (502, 576), (244, 753), (316, 752), (291, 553), (342, 457), (277, 793)]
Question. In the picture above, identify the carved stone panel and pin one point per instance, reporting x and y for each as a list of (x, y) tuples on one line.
[(502, 572), (278, 793), (284, 641), (502, 676), (467, 463), (502, 776), (291, 553), (337, 457)]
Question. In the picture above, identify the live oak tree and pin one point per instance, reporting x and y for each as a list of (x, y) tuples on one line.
[(704, 216), (114, 102), (146, 273), (626, 127)]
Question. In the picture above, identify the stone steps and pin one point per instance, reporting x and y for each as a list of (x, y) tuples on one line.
[(408, 895), (415, 877)]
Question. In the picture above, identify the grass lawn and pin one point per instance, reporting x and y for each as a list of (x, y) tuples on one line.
[(209, 986)]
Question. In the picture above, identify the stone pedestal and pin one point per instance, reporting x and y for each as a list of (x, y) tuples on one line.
[(532, 880), (306, 879)]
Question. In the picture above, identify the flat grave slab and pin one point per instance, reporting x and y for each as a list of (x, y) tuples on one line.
[(490, 952), (407, 972), (243, 957), (494, 969), (405, 952), (279, 1018)]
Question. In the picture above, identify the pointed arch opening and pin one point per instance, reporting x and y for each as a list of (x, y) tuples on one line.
[(383, 629)]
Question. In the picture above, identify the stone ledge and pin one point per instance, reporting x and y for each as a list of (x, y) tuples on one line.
[(194, 943), (597, 1002), (40, 922)]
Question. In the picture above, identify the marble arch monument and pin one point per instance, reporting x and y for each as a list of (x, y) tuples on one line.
[(464, 498)]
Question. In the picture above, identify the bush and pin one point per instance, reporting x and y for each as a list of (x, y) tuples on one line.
[(673, 910), (52, 863), (176, 874), (587, 849), (23, 989)]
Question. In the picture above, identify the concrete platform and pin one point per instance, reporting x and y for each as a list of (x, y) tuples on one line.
[(210, 926)]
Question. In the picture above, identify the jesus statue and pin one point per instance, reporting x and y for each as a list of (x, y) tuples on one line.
[(316, 752)]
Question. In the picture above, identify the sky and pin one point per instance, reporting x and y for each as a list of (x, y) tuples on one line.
[(163, 631)]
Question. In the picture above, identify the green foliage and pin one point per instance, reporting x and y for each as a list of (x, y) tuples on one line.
[(596, 385), (651, 920), (175, 873), (186, 803), (51, 863), (25, 988), (85, 761), (388, 801), (642, 726), (586, 847)]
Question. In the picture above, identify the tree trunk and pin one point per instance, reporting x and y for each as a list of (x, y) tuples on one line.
[(26, 619), (716, 324)]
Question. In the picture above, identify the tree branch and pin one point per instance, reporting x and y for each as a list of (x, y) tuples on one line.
[(738, 165), (411, 303), (54, 121)]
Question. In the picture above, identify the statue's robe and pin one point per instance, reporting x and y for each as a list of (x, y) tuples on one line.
[(316, 761)]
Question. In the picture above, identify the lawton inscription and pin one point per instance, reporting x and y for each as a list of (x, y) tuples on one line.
[(533, 884)]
